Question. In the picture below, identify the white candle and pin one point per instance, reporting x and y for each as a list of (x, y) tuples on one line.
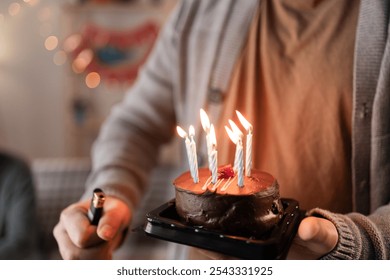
[(193, 154), (248, 153), (206, 127), (184, 135), (239, 135), (239, 160), (240, 169), (214, 155)]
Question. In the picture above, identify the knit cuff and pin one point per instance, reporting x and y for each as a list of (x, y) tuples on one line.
[(349, 244)]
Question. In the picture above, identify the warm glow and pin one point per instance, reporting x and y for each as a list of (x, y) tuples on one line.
[(72, 42), (92, 80), (204, 120), (181, 132), (82, 61), (231, 135), (244, 122), (235, 129), (213, 137), (59, 58), (191, 131), (51, 43), (14, 9), (1, 18), (78, 65)]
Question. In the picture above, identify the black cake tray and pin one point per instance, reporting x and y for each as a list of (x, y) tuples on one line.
[(164, 223)]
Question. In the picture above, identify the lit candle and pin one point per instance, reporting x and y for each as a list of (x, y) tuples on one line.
[(194, 157), (206, 127), (240, 135), (248, 153), (236, 139), (184, 135), (213, 156)]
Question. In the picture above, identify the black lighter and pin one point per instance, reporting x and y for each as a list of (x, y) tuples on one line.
[(95, 211)]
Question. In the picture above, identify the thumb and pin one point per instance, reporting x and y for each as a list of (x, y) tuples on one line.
[(315, 237), (116, 218), (318, 233)]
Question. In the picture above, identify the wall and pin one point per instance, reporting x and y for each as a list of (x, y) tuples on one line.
[(36, 95), (32, 88)]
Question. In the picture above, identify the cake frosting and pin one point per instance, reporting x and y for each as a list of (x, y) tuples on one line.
[(248, 211)]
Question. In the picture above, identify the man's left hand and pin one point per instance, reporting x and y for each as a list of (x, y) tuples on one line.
[(315, 238)]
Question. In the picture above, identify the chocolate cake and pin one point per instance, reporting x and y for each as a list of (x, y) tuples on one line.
[(247, 211)]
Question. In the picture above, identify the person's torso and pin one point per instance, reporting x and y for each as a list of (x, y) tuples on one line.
[(294, 82)]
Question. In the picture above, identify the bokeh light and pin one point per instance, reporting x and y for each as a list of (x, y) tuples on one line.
[(92, 80), (51, 43), (82, 61), (72, 42)]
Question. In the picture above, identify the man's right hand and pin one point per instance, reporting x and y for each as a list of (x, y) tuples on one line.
[(78, 239)]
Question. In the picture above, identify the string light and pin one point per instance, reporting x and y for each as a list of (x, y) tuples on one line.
[(51, 43), (82, 61), (72, 42), (92, 80)]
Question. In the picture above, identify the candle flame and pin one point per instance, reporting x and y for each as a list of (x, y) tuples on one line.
[(181, 132), (205, 120), (247, 125), (213, 137), (231, 135), (191, 131), (235, 129)]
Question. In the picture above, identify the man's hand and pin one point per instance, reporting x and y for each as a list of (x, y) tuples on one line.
[(316, 237), (78, 239)]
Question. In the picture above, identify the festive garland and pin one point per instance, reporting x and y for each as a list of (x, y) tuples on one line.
[(117, 55)]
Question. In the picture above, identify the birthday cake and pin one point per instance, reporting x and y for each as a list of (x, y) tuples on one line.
[(250, 210)]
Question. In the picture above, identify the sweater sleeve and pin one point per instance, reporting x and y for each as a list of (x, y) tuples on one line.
[(127, 146), (360, 236)]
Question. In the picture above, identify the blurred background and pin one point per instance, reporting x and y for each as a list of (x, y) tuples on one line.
[(63, 65)]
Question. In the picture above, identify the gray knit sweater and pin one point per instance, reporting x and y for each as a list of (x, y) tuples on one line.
[(191, 66)]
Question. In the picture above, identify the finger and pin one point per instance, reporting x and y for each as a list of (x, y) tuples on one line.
[(69, 251), (319, 233), (315, 237), (77, 225), (66, 247), (116, 217)]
